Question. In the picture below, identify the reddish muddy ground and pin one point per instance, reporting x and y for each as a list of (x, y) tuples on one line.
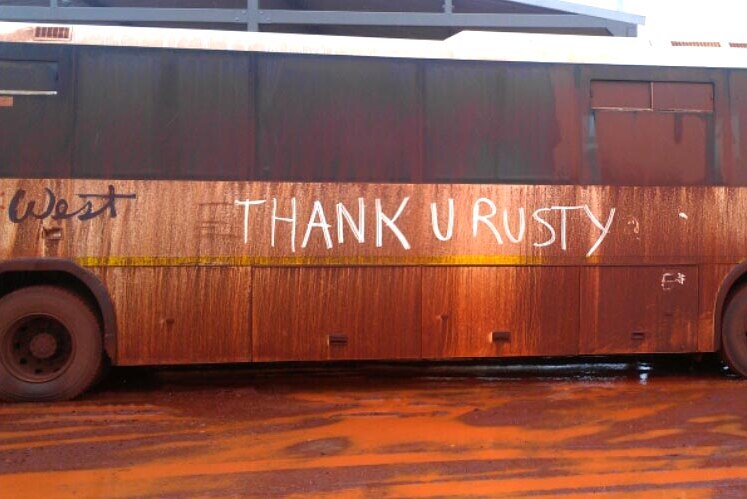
[(664, 429)]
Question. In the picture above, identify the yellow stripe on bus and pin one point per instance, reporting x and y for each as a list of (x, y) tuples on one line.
[(267, 261)]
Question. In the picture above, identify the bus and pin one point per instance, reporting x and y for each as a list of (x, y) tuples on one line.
[(173, 197)]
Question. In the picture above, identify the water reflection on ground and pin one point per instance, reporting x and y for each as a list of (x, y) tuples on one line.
[(664, 426)]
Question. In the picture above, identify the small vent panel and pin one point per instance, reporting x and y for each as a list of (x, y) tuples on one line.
[(52, 33), (696, 44)]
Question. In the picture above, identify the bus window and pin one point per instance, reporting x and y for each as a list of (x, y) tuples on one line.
[(499, 123), (35, 112), (684, 97), (157, 114), (652, 133), (337, 119), (621, 95), (21, 78)]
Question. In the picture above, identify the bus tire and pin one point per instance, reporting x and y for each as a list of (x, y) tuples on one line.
[(51, 345), (734, 333)]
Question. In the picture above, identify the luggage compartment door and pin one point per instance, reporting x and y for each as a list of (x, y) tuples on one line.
[(639, 309), (180, 315), (500, 311), (336, 313)]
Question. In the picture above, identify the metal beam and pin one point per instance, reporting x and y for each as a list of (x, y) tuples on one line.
[(122, 14), (252, 17), (584, 10), (252, 9), (422, 19), (617, 28)]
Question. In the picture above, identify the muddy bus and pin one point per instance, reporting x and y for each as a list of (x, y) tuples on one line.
[(193, 197)]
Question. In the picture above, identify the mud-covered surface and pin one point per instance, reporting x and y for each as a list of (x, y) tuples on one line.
[(664, 427)]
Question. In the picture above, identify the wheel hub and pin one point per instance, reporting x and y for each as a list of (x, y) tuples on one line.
[(37, 349), (43, 345)]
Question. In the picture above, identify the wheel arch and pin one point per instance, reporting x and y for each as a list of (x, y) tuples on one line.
[(30, 271)]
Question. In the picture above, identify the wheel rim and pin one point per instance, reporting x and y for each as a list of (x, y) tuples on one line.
[(37, 349)]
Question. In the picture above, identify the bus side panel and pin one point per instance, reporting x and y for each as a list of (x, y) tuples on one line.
[(180, 315), (24, 236), (336, 313), (639, 309), (500, 311)]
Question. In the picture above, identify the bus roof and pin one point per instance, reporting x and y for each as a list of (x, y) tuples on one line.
[(467, 45)]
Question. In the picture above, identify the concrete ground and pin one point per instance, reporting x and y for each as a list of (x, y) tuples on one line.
[(656, 428)]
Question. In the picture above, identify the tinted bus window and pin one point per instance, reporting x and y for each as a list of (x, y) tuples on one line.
[(28, 77), (500, 123), (164, 114), (36, 114), (338, 119)]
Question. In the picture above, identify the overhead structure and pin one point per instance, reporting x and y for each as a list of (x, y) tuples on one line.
[(428, 19)]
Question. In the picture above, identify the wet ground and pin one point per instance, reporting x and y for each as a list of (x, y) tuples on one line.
[(655, 428)]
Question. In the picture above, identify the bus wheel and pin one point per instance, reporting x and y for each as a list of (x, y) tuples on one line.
[(50, 345), (734, 333)]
